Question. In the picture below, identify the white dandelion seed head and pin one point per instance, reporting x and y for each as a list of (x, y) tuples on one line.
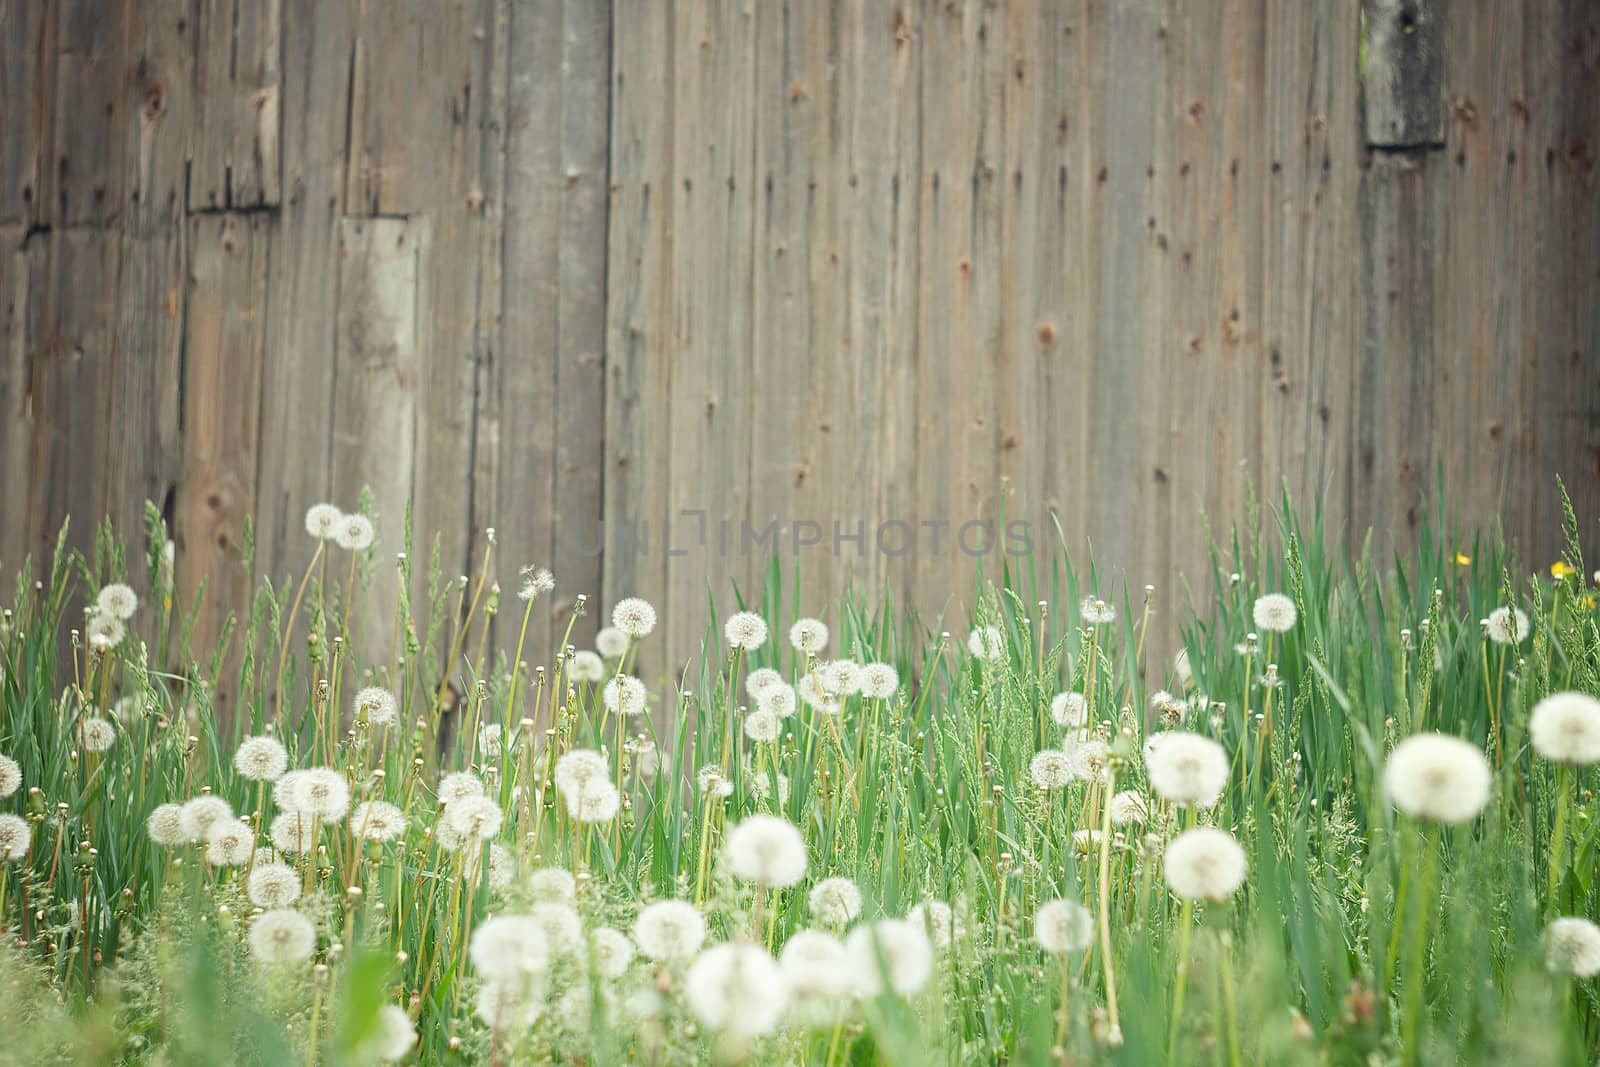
[(475, 818), (611, 642), (780, 700), (490, 740), (1069, 710), (10, 776), (986, 643), (1204, 864), (762, 726), (818, 698), (610, 952), (165, 825), (1051, 769), (510, 1006), (377, 706), (283, 789), (1063, 926), (377, 820), (1086, 841), (738, 988), (553, 885), (199, 814), (261, 759), (282, 936), (509, 948), (230, 843), (669, 930), (1188, 770), (104, 631), (1565, 728), (890, 952), (586, 666), (1438, 777), (809, 636), (98, 734), (393, 1035), (459, 785), (1091, 760), (767, 850), (634, 616), (291, 833), (1129, 808), (597, 802), (15, 837), (536, 582), (1096, 612), (560, 925), (939, 920), (745, 630), (117, 600), (354, 533), (502, 867), (578, 768), (626, 695), (816, 971), (323, 793), (760, 680), (713, 782), (761, 787), (273, 885), (879, 681), (841, 677), (1508, 626), (835, 901), (1274, 613), (322, 521), (1572, 947)]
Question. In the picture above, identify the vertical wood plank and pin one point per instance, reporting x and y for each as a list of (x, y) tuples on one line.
[(27, 86), (89, 114), (238, 91)]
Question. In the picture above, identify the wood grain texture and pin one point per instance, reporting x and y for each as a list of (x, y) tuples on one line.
[(707, 271)]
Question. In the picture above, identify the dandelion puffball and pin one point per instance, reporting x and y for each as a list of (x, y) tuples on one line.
[(475, 818), (610, 952), (586, 666), (1188, 770), (938, 920), (509, 947), (377, 820), (669, 930), (762, 726), (817, 697), (577, 768), (1572, 947), (760, 680), (634, 616), (165, 825), (376, 706), (536, 582), (986, 642), (745, 630), (198, 815), (323, 793), (767, 850), (892, 952), (15, 837), (459, 785), (394, 1034), (117, 600), (879, 681), (809, 636), (98, 734), (835, 901), (273, 885), (1565, 727), (10, 776), (1063, 926), (1437, 777), (1274, 613), (322, 521), (282, 936), (354, 533), (597, 802), (1069, 710), (626, 695), (1507, 626), (611, 642), (260, 759), (1090, 760), (841, 677), (1204, 864), (291, 832), (1051, 769), (104, 631), (736, 987), (1096, 612), (552, 884), (780, 700), (230, 843), (1128, 807)]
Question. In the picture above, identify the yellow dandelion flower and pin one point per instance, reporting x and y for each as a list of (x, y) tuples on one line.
[(1560, 569), (1463, 560)]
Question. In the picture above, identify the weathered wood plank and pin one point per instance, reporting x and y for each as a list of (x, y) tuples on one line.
[(238, 90), (1403, 72), (27, 88), (161, 103), (224, 351), (89, 116), (378, 366), (16, 394)]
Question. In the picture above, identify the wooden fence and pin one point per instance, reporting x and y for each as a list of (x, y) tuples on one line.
[(545, 265)]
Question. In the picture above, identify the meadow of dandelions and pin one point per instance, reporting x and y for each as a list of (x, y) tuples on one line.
[(1346, 818)]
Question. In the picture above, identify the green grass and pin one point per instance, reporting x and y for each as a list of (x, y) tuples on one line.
[(119, 949)]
